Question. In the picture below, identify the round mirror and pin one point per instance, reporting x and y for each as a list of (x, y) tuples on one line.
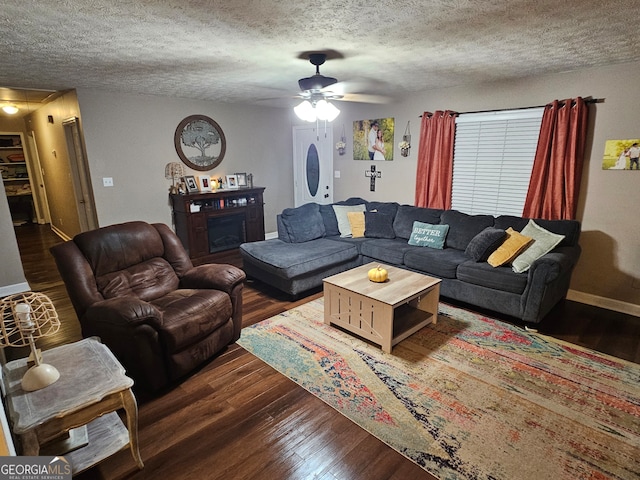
[(199, 142)]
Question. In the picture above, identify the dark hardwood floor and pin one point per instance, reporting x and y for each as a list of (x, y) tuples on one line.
[(237, 418)]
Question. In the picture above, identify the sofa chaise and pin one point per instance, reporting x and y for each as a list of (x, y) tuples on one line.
[(512, 265)]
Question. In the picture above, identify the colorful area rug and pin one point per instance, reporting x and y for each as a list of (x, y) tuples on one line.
[(470, 397)]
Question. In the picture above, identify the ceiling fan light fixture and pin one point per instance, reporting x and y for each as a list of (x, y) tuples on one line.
[(10, 109), (305, 111), (318, 110), (326, 111)]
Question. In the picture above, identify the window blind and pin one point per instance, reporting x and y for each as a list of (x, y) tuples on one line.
[(493, 159)]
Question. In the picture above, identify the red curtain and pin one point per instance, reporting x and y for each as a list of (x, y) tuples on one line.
[(435, 159), (557, 167)]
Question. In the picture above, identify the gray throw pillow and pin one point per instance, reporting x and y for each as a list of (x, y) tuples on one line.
[(407, 214), (303, 223), (464, 227), (390, 208), (330, 220), (485, 243), (378, 225)]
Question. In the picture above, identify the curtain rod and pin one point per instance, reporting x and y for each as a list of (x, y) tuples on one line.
[(587, 101)]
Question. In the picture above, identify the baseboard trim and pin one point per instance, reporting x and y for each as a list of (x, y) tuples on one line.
[(60, 233), (602, 302), (270, 235), (15, 288)]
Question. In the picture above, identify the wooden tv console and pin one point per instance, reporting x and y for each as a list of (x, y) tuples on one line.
[(193, 214)]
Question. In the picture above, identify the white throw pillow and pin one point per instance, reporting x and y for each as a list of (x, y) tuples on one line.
[(343, 220)]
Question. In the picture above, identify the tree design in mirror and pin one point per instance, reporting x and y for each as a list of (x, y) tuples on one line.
[(313, 170), (200, 142)]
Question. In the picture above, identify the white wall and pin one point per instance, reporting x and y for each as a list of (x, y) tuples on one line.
[(608, 272)]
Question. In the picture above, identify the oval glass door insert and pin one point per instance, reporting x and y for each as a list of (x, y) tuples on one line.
[(313, 170)]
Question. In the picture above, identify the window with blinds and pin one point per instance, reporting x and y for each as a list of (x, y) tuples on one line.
[(493, 159)]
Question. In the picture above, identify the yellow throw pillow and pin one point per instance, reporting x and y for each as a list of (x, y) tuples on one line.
[(356, 221), (510, 248)]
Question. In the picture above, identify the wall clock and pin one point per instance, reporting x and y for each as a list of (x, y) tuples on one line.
[(200, 142)]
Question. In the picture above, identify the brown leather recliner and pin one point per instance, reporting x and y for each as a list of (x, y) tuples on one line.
[(134, 286)]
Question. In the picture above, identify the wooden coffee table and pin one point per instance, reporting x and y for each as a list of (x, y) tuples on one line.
[(383, 313)]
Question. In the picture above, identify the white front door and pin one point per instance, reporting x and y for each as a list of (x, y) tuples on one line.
[(313, 164)]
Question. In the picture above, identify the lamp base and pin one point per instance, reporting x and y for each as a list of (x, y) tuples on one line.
[(39, 377), (31, 359)]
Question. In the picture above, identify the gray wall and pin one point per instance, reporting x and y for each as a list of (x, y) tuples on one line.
[(12, 278), (130, 138), (11, 273), (608, 273)]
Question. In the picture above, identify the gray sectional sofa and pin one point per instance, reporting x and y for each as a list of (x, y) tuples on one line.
[(310, 247)]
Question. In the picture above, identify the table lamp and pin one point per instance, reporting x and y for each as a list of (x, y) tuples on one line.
[(25, 318), (173, 171)]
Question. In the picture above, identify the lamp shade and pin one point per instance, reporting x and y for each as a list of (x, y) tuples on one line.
[(326, 111), (305, 111), (24, 318), (173, 170), (318, 110)]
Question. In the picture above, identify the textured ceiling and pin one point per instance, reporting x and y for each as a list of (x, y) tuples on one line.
[(248, 50)]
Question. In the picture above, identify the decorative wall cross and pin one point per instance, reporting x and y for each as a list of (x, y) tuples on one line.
[(373, 174)]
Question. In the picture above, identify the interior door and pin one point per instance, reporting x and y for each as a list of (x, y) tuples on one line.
[(80, 176), (313, 164), (40, 193)]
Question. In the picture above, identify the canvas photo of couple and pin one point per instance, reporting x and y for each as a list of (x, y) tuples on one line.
[(621, 155), (373, 139)]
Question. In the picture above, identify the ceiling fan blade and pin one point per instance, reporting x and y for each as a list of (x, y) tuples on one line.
[(344, 87), (364, 98), (348, 91)]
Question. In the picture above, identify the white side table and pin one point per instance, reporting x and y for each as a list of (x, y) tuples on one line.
[(91, 389)]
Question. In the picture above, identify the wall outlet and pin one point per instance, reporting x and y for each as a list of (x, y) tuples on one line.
[(107, 182), (336, 174)]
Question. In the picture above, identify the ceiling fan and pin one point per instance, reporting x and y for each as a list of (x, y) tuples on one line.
[(318, 82), (314, 105), (318, 89), (319, 86)]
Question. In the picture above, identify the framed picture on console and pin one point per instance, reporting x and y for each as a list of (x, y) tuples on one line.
[(190, 182), (204, 183), (242, 179), (232, 181)]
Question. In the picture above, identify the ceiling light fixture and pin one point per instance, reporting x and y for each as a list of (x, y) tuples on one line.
[(10, 109), (310, 111)]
